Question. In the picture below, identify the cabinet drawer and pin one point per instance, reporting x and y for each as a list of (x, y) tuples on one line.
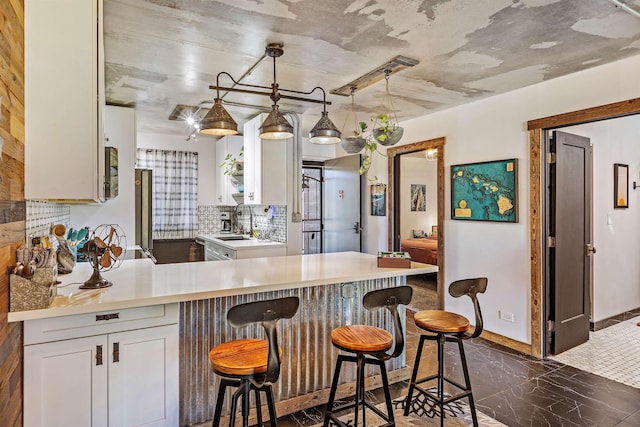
[(83, 325)]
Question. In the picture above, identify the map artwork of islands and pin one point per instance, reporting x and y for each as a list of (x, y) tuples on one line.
[(485, 191)]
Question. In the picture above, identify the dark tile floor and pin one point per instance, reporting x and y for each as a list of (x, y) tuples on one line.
[(519, 390)]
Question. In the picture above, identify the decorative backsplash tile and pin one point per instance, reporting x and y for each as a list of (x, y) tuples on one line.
[(271, 221), (42, 215)]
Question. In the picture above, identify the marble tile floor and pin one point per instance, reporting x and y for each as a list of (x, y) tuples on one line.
[(517, 389), (612, 352)]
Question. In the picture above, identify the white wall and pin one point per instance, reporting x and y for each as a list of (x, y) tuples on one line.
[(416, 170), (491, 129), (120, 128), (616, 264)]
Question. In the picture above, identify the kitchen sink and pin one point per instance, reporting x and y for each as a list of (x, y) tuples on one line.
[(232, 237)]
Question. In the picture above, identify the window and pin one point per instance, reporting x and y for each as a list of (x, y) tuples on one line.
[(175, 191)]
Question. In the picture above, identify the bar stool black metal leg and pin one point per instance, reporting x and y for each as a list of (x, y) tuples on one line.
[(258, 406), (359, 389), (332, 393), (441, 341), (387, 393), (414, 376), (218, 413), (467, 383), (234, 405), (271, 406)]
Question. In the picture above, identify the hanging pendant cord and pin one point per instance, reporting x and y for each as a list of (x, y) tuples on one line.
[(389, 98)]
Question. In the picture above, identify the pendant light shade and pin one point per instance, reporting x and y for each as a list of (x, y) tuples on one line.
[(275, 126), (218, 121), (324, 132)]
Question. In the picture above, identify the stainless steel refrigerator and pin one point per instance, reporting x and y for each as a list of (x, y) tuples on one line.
[(144, 209)]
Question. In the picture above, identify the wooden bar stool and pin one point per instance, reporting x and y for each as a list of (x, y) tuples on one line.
[(251, 364), (448, 327), (369, 345)]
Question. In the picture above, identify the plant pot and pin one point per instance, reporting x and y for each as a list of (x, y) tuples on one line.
[(353, 144), (392, 137)]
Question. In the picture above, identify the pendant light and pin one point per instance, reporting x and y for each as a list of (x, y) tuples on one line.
[(275, 126), (324, 132), (218, 121)]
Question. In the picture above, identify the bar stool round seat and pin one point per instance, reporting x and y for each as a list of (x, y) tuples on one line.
[(441, 321), (361, 339), (241, 358)]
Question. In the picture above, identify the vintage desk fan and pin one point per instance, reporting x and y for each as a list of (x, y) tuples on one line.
[(105, 249)]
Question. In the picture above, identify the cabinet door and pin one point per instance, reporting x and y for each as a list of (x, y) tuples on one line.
[(64, 158), (143, 377), (226, 186), (265, 164), (65, 383)]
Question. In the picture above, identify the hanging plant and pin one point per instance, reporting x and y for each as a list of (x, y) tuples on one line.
[(230, 165), (386, 133), (356, 142)]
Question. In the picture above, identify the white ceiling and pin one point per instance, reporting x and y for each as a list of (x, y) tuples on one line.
[(160, 53)]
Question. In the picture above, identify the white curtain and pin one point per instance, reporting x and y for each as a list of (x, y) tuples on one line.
[(175, 191)]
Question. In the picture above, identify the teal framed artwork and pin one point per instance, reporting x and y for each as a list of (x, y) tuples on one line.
[(485, 191)]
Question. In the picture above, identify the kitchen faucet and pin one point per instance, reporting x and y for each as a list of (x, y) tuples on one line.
[(250, 218)]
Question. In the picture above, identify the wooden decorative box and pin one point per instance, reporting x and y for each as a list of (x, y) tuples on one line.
[(394, 260), (35, 293)]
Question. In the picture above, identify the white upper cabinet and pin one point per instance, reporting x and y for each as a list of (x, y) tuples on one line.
[(64, 100), (265, 166), (227, 186)]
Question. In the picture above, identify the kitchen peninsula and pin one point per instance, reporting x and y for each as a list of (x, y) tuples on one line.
[(176, 313)]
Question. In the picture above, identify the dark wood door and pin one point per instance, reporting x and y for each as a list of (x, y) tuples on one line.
[(570, 224)]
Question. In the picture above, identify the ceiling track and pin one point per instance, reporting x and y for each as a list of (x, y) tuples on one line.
[(626, 8), (394, 65)]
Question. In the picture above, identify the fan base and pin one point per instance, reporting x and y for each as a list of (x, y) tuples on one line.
[(96, 281)]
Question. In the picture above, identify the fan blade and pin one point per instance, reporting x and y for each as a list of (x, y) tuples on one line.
[(111, 235), (100, 243), (116, 250), (106, 260)]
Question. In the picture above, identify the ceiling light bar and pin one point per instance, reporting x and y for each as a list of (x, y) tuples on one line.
[(395, 64), (219, 122)]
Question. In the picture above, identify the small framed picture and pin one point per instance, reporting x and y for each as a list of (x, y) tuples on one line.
[(620, 186)]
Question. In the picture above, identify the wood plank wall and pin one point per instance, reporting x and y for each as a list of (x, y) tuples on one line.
[(12, 205)]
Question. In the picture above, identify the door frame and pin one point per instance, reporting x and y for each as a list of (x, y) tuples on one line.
[(537, 157), (437, 143)]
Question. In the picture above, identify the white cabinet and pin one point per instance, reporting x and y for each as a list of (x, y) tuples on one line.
[(64, 100), (216, 252), (265, 166), (125, 376), (227, 185)]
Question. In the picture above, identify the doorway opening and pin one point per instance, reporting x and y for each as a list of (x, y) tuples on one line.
[(401, 204), (312, 209), (539, 156)]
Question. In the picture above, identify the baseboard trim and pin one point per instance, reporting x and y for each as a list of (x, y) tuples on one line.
[(613, 320), (507, 342)]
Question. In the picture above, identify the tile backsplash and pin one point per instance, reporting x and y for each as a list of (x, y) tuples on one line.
[(272, 219), (41, 216)]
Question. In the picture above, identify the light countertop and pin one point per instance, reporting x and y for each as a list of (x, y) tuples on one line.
[(140, 282), (240, 244)]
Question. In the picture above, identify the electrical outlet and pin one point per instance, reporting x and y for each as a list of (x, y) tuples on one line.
[(506, 316), (296, 217)]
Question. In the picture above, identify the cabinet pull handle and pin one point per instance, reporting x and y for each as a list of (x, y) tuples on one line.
[(98, 355), (116, 352), (108, 316)]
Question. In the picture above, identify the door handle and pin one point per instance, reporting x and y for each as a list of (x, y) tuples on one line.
[(356, 227), (116, 352), (590, 249), (98, 355)]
